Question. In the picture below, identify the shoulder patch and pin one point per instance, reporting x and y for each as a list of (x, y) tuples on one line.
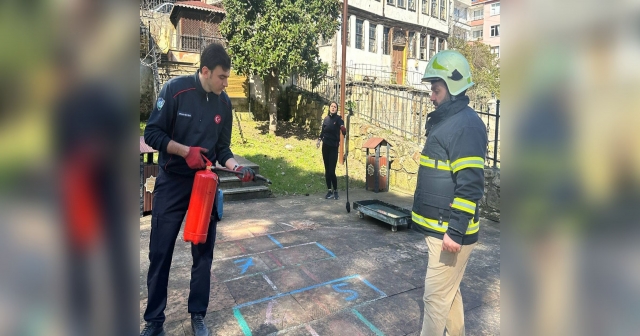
[(160, 103)]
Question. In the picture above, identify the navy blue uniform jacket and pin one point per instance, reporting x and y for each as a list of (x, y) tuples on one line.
[(189, 115)]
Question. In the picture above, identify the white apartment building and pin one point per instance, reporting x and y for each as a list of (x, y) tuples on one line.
[(460, 19), (397, 37)]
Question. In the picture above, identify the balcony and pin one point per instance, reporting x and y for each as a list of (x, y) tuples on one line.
[(194, 43)]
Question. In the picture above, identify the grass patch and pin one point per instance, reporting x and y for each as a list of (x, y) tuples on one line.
[(292, 161)]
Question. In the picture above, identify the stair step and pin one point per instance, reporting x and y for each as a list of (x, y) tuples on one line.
[(231, 182), (244, 193)]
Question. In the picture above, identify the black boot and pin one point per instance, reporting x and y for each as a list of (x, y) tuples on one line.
[(335, 194), (329, 195), (152, 329), (197, 325)]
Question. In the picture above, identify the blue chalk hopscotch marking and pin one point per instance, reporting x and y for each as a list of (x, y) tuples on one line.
[(275, 241), (243, 324), (369, 324), (353, 293), (247, 262), (340, 283), (326, 250), (382, 294)]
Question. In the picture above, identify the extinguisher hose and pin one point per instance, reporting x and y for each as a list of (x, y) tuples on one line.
[(214, 168), (257, 176)]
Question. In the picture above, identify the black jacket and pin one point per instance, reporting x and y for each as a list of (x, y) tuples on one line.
[(330, 133), (189, 115), (451, 174)]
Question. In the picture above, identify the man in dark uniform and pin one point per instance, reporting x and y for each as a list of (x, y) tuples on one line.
[(450, 185), (191, 119)]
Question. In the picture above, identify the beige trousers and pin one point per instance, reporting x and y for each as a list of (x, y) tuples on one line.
[(442, 298)]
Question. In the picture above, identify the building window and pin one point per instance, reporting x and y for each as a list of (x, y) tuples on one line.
[(391, 2), (359, 34), (443, 10), (423, 46), (434, 8), (495, 8), (412, 5), (412, 45), (477, 14), (400, 3), (372, 38), (460, 14), (385, 41), (425, 7), (440, 44), (432, 47), (495, 30), (477, 34), (496, 51)]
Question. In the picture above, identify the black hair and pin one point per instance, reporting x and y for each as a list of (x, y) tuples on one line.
[(214, 55), (337, 107)]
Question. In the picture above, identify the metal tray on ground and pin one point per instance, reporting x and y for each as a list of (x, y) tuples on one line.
[(385, 212)]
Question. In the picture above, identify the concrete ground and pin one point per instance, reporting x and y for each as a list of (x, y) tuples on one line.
[(304, 266)]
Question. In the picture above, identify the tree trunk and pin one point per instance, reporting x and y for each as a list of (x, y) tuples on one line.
[(273, 89)]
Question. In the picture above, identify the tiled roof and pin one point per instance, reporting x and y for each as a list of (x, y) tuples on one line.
[(200, 5)]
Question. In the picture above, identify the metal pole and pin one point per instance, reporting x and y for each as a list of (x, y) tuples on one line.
[(388, 167), (495, 139), (420, 114), (343, 70)]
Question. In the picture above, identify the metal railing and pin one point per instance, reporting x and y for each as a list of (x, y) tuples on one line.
[(490, 115), (384, 75), (403, 111), (194, 43)]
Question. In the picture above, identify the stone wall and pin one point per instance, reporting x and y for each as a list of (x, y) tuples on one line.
[(490, 203), (404, 155)]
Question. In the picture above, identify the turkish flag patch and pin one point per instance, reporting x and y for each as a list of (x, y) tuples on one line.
[(218, 119)]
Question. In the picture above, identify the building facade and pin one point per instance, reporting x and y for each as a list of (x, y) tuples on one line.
[(460, 19), (390, 40), (485, 23)]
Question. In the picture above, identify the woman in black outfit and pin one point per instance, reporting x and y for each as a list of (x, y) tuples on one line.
[(330, 137)]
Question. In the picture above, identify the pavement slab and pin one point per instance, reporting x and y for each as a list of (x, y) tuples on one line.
[(305, 266)]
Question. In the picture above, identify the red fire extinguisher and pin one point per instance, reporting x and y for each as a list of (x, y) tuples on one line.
[(203, 195)]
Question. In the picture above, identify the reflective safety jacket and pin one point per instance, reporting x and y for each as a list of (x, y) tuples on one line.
[(451, 176)]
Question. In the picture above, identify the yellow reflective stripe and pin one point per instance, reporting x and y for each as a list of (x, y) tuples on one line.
[(431, 163), (481, 166), (467, 162), (468, 158), (464, 205), (433, 224), (429, 223), (473, 227), (425, 161), (444, 165)]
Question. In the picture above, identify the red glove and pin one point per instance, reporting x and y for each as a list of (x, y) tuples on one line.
[(344, 130), (194, 158), (245, 174)]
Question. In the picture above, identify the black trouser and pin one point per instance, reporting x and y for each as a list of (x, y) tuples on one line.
[(330, 157), (170, 203)]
